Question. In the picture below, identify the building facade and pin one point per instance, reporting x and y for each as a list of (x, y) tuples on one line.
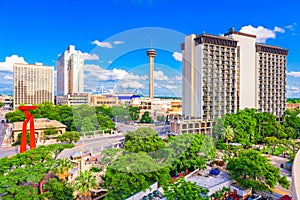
[(33, 84), (73, 99), (107, 100), (223, 74), (70, 77), (40, 125), (158, 106), (191, 125)]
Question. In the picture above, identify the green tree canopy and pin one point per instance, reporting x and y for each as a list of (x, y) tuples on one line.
[(146, 118), (143, 140), (182, 189), (134, 112), (21, 172), (71, 136), (132, 173), (84, 183), (252, 170)]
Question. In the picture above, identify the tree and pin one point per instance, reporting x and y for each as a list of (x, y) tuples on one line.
[(87, 125), (161, 118), (58, 190), (227, 134), (182, 189), (62, 168), (69, 137), (134, 112), (50, 131), (120, 114), (191, 151), (146, 118), (143, 140), (15, 116), (84, 183), (105, 122), (131, 173), (18, 142), (292, 120), (272, 142), (24, 175), (252, 170)]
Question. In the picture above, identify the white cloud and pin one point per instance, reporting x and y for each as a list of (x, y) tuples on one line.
[(96, 72), (262, 33), (177, 56), (160, 76), (118, 42), (292, 89), (102, 44), (278, 29), (88, 56), (157, 85), (294, 74), (170, 86), (132, 84), (177, 78), (7, 77), (9, 62), (110, 61), (291, 26)]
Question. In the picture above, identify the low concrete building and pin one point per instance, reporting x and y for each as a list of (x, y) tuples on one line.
[(191, 125), (292, 106), (107, 100), (74, 99), (240, 191), (212, 183), (158, 106), (40, 125)]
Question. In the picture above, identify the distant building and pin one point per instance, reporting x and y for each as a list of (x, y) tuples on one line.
[(292, 106), (107, 100), (73, 99), (70, 77), (157, 106), (33, 84), (40, 125), (224, 74), (191, 125)]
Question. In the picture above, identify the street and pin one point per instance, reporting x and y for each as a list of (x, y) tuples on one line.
[(91, 145)]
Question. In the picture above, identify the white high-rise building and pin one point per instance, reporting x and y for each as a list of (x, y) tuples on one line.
[(70, 77), (33, 84), (223, 74)]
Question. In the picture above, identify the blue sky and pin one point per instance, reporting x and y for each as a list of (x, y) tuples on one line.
[(38, 31)]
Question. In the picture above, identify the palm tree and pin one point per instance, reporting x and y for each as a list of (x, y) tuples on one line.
[(62, 168), (84, 183), (227, 134)]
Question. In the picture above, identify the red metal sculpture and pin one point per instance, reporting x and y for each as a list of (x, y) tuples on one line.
[(29, 117)]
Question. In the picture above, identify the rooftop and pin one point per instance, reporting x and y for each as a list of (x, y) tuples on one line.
[(39, 123), (202, 178)]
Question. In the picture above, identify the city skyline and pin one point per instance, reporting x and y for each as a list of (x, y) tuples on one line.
[(38, 45)]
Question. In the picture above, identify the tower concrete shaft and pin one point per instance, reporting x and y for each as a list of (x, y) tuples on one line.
[(151, 54)]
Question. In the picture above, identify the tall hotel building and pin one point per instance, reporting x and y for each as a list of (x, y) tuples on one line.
[(33, 84), (70, 77), (223, 74)]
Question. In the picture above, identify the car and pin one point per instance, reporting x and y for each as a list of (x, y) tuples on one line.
[(255, 197), (232, 197), (214, 171)]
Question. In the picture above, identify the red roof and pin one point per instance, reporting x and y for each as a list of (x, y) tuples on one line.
[(285, 197)]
